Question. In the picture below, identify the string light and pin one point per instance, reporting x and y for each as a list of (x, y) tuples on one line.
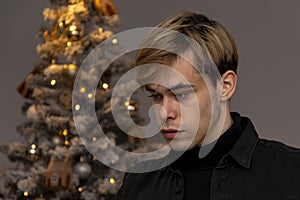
[(82, 90), (94, 158), (33, 149), (73, 27), (112, 180), (90, 95), (77, 107), (100, 30), (130, 107), (105, 86), (67, 142), (70, 67), (114, 41), (69, 44), (53, 82), (26, 193), (80, 189), (81, 159), (127, 103), (60, 24), (94, 139), (65, 132)]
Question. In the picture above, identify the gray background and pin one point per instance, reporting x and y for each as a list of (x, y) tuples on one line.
[(266, 31)]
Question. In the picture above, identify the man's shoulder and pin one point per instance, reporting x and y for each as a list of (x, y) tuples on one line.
[(277, 146), (277, 151)]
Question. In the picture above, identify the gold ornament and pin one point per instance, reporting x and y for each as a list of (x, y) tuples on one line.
[(105, 7)]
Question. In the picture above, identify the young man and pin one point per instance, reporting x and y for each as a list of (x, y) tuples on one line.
[(194, 114)]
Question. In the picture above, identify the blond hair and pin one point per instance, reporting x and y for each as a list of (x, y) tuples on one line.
[(210, 34)]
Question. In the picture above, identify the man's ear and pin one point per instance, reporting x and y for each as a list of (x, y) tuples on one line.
[(229, 79)]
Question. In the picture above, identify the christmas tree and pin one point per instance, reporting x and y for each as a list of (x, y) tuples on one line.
[(54, 163)]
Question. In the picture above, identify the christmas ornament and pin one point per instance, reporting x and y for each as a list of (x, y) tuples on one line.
[(57, 140), (105, 7), (59, 173), (82, 169)]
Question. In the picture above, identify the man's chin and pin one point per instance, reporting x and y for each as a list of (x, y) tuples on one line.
[(180, 145)]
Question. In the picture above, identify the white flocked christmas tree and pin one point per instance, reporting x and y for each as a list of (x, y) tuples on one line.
[(53, 163)]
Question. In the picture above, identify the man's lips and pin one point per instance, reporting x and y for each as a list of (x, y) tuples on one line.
[(170, 133)]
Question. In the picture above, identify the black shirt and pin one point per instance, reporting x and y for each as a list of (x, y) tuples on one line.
[(254, 168), (197, 171)]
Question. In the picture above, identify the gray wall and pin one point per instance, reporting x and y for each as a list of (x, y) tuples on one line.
[(266, 31)]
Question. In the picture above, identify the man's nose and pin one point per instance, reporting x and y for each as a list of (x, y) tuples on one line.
[(168, 109)]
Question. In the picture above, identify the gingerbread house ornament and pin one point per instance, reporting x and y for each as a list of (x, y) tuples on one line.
[(59, 173)]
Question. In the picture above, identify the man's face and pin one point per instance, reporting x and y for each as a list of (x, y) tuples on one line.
[(180, 103)]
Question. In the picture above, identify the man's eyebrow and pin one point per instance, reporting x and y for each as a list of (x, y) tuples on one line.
[(176, 87), (149, 89), (181, 86)]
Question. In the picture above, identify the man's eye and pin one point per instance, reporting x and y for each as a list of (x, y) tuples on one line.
[(155, 96), (181, 96)]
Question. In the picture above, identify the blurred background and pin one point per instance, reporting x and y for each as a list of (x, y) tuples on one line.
[(266, 32)]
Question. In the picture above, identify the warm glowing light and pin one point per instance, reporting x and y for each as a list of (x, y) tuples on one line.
[(112, 180), (32, 151), (26, 193), (130, 107), (113, 161), (67, 142), (100, 30), (53, 82), (82, 89), (75, 32), (69, 44), (72, 67), (33, 146), (65, 132), (77, 107), (94, 158), (94, 139), (72, 28), (81, 159), (114, 41), (127, 103), (105, 86), (80, 189), (90, 95), (60, 24)]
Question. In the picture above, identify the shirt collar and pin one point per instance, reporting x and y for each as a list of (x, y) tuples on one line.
[(243, 149)]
